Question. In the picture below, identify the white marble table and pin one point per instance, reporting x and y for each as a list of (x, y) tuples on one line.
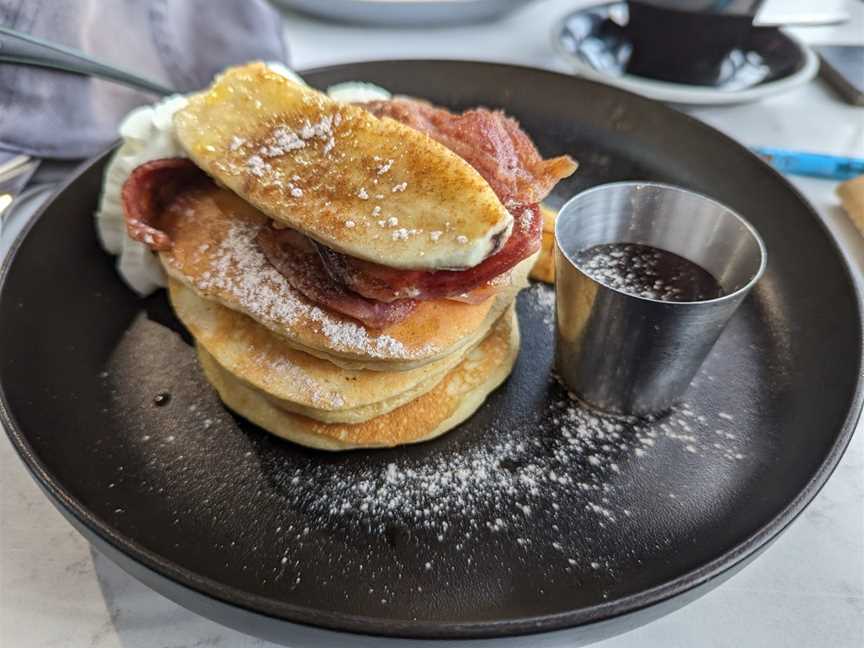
[(807, 590)]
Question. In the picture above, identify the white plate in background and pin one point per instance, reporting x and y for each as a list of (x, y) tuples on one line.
[(417, 13), (680, 93)]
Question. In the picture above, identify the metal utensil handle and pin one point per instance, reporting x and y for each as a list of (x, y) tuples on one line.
[(24, 49)]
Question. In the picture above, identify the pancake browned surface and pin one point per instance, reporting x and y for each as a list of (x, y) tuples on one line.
[(215, 253), (293, 380), (453, 400)]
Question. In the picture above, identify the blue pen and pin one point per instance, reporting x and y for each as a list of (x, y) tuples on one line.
[(832, 167)]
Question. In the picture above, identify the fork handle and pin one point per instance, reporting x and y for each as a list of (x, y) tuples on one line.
[(23, 49)]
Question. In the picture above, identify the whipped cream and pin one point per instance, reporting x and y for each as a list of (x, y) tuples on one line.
[(357, 92), (148, 134)]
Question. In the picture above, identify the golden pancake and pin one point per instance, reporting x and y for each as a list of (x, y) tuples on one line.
[(453, 400), (293, 380), (215, 253), (371, 188)]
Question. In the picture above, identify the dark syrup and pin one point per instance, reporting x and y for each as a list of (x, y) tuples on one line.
[(648, 272)]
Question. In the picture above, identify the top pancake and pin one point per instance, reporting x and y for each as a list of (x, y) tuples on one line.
[(215, 254), (371, 188)]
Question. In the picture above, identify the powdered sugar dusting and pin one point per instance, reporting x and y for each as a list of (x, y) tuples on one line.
[(525, 219), (279, 368), (257, 166), (554, 489), (240, 272), (282, 140), (648, 272), (496, 493), (542, 299)]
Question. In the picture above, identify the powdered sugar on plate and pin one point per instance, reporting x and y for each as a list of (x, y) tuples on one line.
[(542, 299), (517, 474), (548, 483)]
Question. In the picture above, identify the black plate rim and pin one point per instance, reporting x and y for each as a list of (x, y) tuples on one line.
[(359, 624)]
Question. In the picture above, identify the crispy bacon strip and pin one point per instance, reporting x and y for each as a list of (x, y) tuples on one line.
[(489, 141), (149, 189), (294, 256), (506, 158), (388, 284)]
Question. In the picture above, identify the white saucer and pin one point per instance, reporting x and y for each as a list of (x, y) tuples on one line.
[(419, 13), (680, 93)]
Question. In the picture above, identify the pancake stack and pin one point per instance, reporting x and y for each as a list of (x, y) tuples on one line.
[(348, 275)]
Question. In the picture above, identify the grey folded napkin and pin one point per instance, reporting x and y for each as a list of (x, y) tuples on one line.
[(181, 43)]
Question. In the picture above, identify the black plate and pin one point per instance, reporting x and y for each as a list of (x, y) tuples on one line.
[(531, 516)]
